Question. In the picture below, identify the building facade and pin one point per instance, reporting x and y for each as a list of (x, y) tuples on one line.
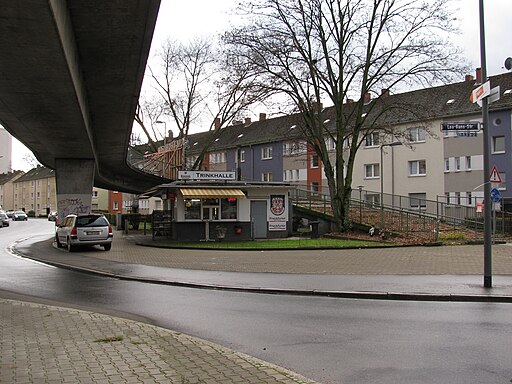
[(7, 189), (36, 191)]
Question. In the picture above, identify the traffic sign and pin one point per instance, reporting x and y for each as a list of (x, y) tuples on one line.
[(461, 126), (495, 195), (480, 92), (495, 176)]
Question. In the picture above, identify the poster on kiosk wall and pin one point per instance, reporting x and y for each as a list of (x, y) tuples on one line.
[(277, 213)]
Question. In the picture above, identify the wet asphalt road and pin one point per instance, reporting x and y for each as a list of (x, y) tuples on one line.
[(329, 340)]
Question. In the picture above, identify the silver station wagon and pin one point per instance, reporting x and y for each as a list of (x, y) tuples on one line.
[(78, 230)]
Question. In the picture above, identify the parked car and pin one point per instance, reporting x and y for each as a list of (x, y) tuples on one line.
[(52, 216), (4, 220), (19, 215), (9, 214), (77, 230)]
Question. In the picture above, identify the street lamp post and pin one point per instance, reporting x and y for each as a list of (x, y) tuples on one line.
[(394, 144)]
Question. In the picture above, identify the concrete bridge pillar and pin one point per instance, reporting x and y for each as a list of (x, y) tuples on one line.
[(75, 178)]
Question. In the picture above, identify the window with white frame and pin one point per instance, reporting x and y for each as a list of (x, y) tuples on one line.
[(115, 206), (372, 171), (94, 193), (242, 156), (447, 165), (266, 153), (469, 198), (297, 174), (417, 200), (315, 186), (189, 161), (266, 176), (498, 144), (416, 135), (417, 168), (371, 140), (314, 161), (457, 198), (217, 157), (468, 163), (457, 164)]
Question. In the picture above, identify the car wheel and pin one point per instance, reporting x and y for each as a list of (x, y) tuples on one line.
[(107, 247), (59, 244), (71, 247)]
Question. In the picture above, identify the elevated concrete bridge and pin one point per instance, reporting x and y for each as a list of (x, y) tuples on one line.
[(70, 78)]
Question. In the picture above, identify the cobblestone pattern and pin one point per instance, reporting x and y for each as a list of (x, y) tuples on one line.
[(449, 260), (45, 344)]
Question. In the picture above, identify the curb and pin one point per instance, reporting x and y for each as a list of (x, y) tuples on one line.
[(363, 295)]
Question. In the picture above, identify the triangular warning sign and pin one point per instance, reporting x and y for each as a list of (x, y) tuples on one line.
[(495, 176)]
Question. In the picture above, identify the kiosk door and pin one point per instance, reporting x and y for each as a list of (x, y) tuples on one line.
[(259, 219)]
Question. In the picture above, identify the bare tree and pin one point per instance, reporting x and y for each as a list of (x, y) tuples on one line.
[(313, 51), (196, 84)]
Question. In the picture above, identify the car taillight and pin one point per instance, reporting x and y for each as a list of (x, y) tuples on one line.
[(110, 232), (73, 231)]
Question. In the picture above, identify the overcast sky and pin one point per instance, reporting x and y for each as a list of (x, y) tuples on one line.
[(183, 20)]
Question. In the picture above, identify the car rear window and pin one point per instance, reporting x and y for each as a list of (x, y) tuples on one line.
[(91, 221)]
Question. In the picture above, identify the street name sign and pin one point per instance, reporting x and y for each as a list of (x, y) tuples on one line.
[(461, 126)]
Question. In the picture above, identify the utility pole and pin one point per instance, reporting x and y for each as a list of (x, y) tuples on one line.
[(487, 168)]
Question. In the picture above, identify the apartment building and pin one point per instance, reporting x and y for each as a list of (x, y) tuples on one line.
[(7, 189), (36, 191), (422, 162)]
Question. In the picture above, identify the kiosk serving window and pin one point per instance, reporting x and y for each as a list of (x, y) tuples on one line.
[(208, 209)]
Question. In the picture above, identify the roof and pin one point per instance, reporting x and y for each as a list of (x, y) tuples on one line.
[(441, 102), (6, 177), (37, 173)]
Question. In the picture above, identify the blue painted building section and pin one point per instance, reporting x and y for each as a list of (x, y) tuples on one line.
[(500, 125), (254, 165)]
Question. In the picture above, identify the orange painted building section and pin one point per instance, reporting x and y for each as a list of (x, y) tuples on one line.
[(115, 202), (314, 171)]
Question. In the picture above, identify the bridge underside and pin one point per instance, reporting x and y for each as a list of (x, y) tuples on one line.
[(70, 78)]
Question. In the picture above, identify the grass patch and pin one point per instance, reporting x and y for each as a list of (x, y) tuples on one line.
[(279, 244), (109, 339), (452, 235)]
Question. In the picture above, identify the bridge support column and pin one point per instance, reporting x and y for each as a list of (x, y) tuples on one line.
[(75, 178)]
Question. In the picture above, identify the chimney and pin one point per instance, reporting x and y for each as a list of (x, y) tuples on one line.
[(263, 116), (469, 78), (367, 97), (247, 121), (479, 75), (317, 107), (384, 92), (216, 123)]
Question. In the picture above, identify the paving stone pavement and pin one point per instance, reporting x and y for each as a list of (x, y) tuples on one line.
[(47, 344)]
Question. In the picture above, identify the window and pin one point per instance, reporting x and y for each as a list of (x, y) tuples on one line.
[(192, 209), (498, 144), (266, 153), (457, 164), (416, 135), (457, 198), (115, 206), (468, 163), (447, 165), (417, 200), (372, 198), (314, 161), (94, 193), (294, 148), (189, 161), (469, 197), (266, 176), (503, 185), (315, 187), (372, 171), (371, 140), (297, 173), (217, 157), (228, 208), (242, 156), (417, 168)]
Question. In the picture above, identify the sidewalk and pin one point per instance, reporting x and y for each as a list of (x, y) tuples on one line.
[(449, 273), (45, 344)]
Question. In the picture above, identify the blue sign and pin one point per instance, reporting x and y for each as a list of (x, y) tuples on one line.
[(495, 195)]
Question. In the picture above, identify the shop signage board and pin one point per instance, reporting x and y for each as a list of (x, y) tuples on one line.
[(206, 175)]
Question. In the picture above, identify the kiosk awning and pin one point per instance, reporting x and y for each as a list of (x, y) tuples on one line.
[(201, 193)]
